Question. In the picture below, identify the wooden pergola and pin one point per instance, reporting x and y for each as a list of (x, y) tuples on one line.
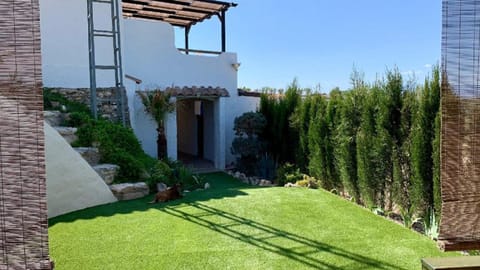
[(180, 13)]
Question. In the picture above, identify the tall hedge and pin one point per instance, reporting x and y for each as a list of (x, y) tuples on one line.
[(379, 142), (277, 108)]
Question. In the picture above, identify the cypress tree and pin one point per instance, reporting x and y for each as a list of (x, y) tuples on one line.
[(423, 133), (366, 155), (401, 156), (345, 139), (437, 196), (317, 139)]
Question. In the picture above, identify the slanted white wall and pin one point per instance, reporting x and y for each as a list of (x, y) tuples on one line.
[(64, 40), (71, 183)]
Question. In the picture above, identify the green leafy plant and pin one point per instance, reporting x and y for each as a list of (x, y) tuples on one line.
[(56, 101), (288, 172), (157, 104), (161, 172), (117, 145), (407, 216), (307, 181), (431, 223)]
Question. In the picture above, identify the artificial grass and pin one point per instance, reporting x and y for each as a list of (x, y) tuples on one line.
[(234, 226)]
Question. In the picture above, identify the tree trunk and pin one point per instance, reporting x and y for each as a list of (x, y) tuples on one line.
[(161, 143)]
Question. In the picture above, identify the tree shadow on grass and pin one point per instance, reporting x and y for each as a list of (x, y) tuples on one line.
[(222, 186), (302, 250)]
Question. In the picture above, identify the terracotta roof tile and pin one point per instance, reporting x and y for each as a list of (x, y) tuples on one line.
[(197, 91)]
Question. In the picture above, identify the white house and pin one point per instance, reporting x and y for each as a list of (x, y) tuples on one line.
[(208, 99)]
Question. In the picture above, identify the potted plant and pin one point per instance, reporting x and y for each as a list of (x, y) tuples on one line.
[(157, 104)]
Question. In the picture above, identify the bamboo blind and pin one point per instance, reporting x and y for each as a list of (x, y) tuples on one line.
[(460, 141), (23, 215)]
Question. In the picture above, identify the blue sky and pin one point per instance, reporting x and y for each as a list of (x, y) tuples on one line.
[(319, 41)]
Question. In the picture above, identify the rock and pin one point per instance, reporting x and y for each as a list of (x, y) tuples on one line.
[(107, 172), (265, 183), (242, 176), (418, 226), (161, 187), (54, 118), (395, 217), (290, 185), (90, 154), (68, 133), (236, 175), (312, 184), (129, 191), (207, 186)]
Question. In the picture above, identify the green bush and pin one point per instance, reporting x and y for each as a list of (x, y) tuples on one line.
[(161, 172), (171, 172), (117, 145), (56, 101), (281, 137), (288, 173), (247, 146), (308, 181)]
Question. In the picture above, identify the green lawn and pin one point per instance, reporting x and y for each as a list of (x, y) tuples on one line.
[(233, 226)]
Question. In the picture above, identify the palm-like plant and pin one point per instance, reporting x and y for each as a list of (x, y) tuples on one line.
[(157, 104)]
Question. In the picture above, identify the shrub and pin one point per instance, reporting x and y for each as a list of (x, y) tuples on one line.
[(307, 181), (247, 146), (117, 145), (161, 172), (56, 101), (282, 138), (288, 173)]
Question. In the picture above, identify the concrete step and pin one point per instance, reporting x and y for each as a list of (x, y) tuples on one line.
[(107, 172), (90, 154), (68, 133), (54, 118)]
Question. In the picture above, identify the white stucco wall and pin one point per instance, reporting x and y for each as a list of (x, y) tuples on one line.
[(64, 40), (71, 183), (149, 54), (209, 131)]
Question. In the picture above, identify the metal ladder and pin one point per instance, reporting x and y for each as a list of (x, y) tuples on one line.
[(114, 34)]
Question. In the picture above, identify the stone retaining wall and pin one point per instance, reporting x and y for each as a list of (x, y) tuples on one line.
[(108, 109)]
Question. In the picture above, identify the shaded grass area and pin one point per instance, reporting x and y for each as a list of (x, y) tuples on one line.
[(233, 226)]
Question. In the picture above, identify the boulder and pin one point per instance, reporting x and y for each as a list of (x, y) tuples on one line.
[(418, 226), (207, 186), (129, 191), (54, 118), (68, 133), (265, 183), (107, 172), (290, 185), (90, 154)]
